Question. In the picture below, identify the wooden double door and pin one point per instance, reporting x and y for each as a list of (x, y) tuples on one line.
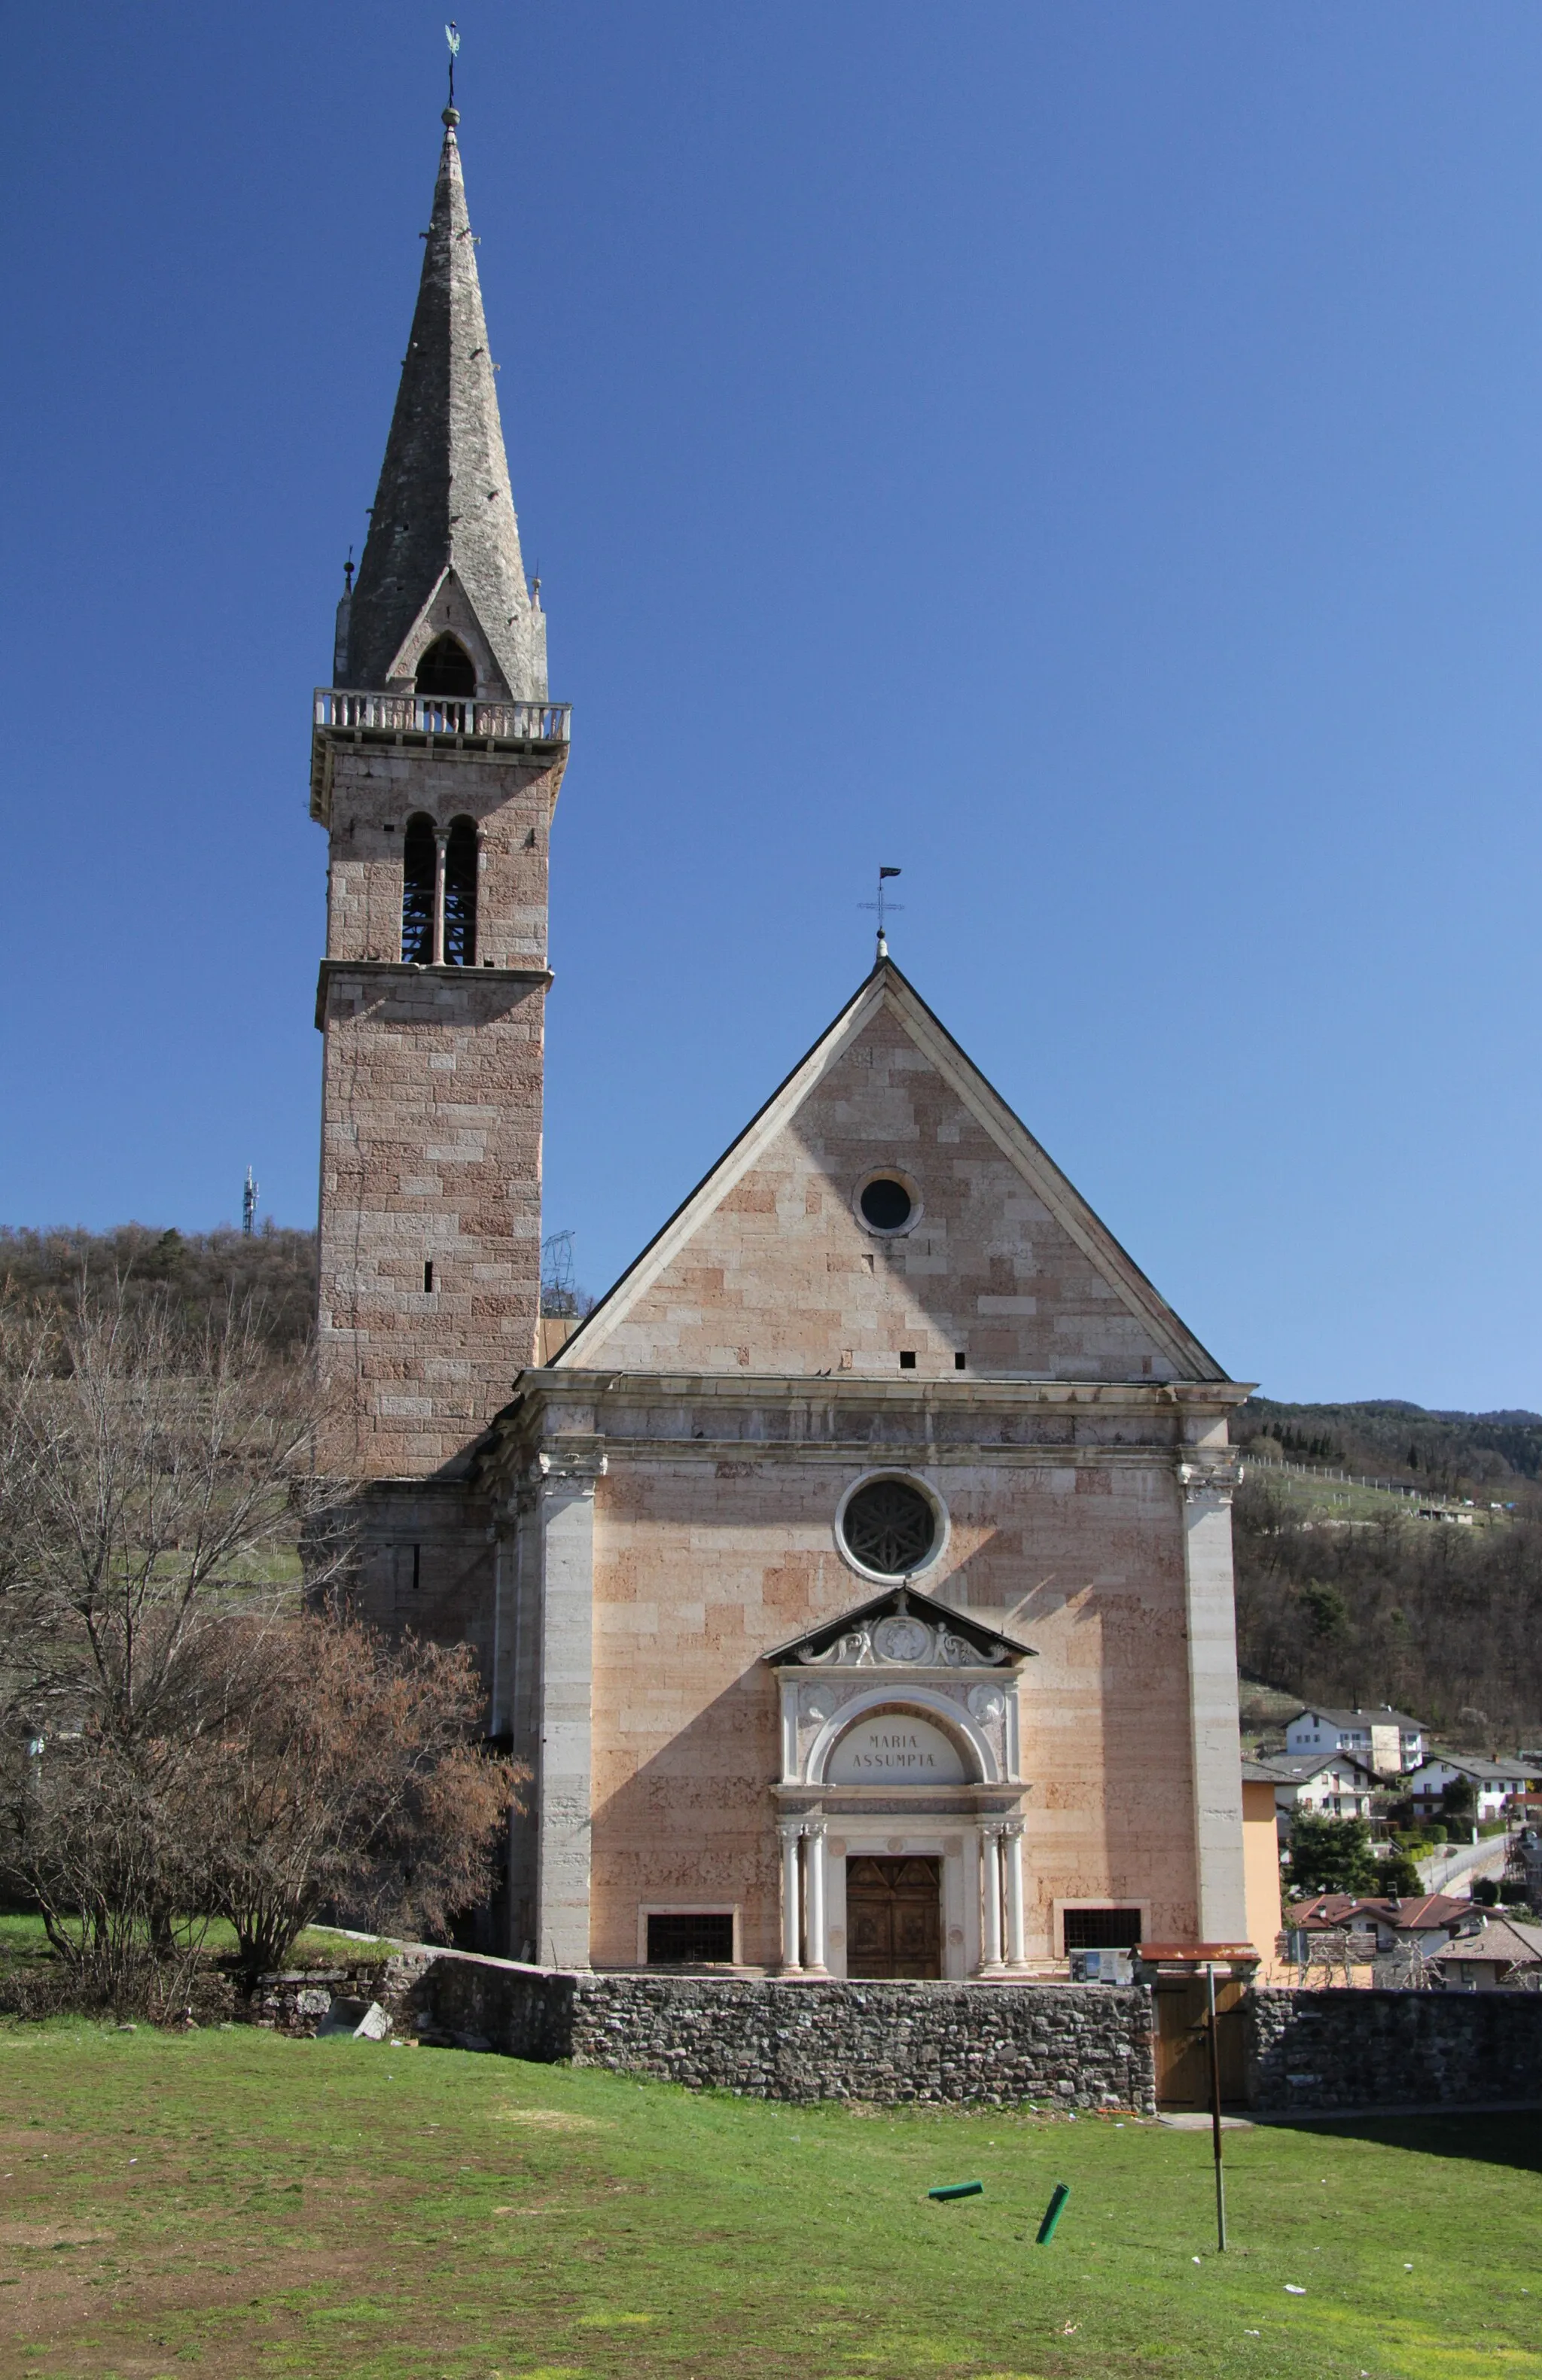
[(894, 1919)]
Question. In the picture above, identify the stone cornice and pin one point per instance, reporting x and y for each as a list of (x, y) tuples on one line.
[(382, 972), (975, 1390), (826, 1419)]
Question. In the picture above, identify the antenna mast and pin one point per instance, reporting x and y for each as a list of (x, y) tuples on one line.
[(248, 1206), (559, 1295)]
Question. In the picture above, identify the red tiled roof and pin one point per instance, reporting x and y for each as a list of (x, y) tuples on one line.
[(1416, 1911)]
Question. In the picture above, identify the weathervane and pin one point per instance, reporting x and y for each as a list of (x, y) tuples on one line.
[(883, 906), (453, 37)]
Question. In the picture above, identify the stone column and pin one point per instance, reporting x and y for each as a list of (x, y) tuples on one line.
[(814, 1854), (440, 845), (565, 1520), (1220, 1895), (990, 1899), (1011, 1836), (791, 1833)]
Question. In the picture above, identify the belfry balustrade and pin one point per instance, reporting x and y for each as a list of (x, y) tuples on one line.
[(443, 714)]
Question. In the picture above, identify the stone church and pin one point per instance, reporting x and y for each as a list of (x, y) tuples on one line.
[(855, 1580)]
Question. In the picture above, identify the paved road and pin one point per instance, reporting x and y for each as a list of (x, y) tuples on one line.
[(1439, 1870)]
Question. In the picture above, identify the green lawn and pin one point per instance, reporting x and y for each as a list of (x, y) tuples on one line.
[(24, 1939), (233, 2203)]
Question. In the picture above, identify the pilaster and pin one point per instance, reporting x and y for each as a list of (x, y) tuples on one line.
[(564, 1514), (1206, 1482)]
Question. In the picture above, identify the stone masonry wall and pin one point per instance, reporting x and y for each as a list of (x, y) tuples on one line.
[(1382, 2049), (431, 1111), (1075, 2046)]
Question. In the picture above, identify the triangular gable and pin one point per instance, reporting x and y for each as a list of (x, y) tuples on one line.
[(946, 1629), (448, 607), (767, 1269)]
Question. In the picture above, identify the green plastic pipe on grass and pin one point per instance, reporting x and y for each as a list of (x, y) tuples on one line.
[(956, 2189), (1052, 2214)]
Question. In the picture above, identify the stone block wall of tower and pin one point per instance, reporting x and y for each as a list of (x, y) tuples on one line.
[(431, 1091), (376, 787)]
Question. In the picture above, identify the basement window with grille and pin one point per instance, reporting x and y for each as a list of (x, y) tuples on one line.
[(693, 1937), (1101, 1929)]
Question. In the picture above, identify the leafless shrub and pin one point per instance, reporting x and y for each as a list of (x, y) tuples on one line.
[(182, 1734), (357, 1783), (154, 1483)]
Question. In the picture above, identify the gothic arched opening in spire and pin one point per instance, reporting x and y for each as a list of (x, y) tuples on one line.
[(461, 857), (419, 866), (446, 668)]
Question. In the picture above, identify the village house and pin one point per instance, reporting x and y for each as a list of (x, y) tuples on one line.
[(855, 1580), (1388, 1742), (1504, 1951), (1426, 1921), (1496, 1783), (1329, 1784)]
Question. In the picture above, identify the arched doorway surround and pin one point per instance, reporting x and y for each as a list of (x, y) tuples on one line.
[(901, 1758)]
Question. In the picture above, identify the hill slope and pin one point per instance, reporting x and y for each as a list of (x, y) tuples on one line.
[(201, 1270)]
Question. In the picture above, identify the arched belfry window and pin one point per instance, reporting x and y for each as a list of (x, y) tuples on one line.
[(419, 864), (446, 668), (460, 895)]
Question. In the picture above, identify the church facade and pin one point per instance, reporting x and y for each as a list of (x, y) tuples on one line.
[(855, 1580)]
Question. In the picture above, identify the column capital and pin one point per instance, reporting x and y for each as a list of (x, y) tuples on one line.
[(1216, 1475), (790, 1829), (576, 1461)]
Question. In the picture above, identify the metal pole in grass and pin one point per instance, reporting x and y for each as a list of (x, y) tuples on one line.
[(1216, 2114)]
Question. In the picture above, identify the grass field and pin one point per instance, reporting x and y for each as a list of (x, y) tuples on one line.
[(24, 1941), (231, 2202)]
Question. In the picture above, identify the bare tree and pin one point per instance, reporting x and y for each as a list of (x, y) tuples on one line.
[(357, 1782), (156, 1480)]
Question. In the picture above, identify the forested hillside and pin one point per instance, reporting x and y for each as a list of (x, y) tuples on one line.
[(1444, 1621), (201, 1271), (1491, 1454)]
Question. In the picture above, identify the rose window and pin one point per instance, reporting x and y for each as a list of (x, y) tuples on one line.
[(889, 1527)]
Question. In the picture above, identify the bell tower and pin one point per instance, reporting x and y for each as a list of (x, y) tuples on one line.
[(436, 762)]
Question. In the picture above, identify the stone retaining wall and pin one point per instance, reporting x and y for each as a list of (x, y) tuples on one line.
[(1070, 2044), (1384, 2050), (296, 2001), (1074, 2045)]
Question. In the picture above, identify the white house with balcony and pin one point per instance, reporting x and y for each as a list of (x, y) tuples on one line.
[(1494, 1782), (1388, 1740), (1332, 1785)]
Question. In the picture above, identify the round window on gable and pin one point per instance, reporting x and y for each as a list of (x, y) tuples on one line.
[(888, 1203), (889, 1528)]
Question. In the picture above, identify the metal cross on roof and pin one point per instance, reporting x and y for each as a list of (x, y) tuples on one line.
[(883, 905)]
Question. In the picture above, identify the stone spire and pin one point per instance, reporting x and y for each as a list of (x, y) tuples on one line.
[(443, 551)]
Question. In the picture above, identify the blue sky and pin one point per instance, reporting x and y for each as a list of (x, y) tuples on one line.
[(1090, 458)]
